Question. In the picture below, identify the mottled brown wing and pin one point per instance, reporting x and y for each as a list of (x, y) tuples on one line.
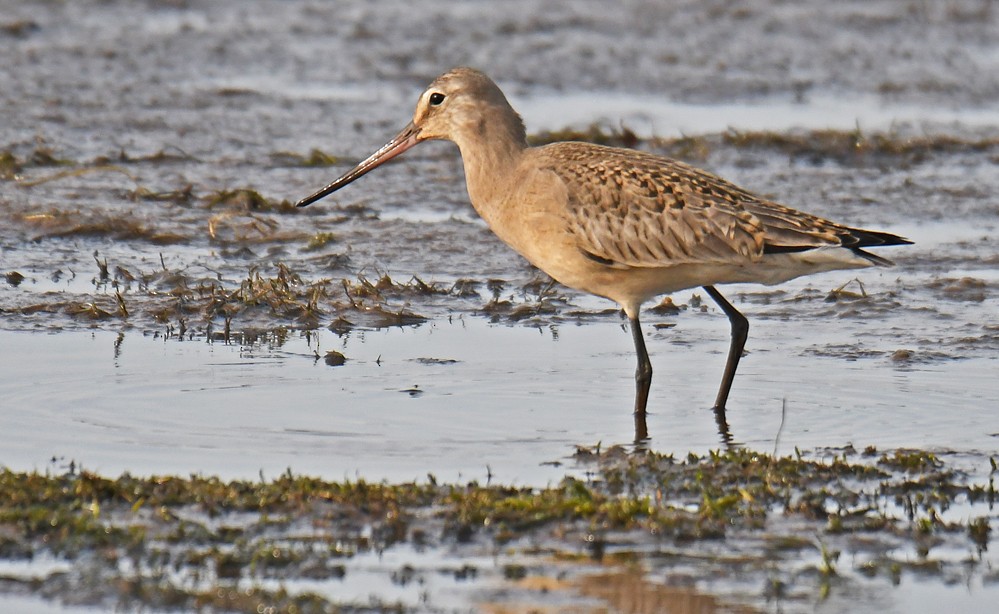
[(631, 208)]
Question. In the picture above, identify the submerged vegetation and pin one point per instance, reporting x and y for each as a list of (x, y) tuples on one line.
[(167, 542)]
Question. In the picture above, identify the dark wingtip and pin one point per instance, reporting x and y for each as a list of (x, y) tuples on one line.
[(855, 239), (874, 238), (860, 239)]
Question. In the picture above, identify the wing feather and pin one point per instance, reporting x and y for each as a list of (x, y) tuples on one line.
[(640, 210), (635, 209)]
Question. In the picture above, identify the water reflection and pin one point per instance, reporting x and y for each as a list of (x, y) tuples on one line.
[(642, 439), (723, 430)]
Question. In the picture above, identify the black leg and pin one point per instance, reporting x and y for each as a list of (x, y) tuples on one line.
[(643, 374), (740, 331), (641, 431)]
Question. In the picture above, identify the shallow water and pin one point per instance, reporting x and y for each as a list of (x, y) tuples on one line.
[(130, 124), (464, 398)]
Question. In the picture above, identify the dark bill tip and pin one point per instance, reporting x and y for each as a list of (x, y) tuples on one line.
[(400, 143)]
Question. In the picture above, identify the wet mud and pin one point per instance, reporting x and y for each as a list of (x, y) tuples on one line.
[(150, 156)]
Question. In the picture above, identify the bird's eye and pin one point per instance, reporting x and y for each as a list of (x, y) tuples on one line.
[(436, 99)]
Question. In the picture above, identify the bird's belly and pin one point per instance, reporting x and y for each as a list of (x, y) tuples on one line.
[(558, 255), (632, 286)]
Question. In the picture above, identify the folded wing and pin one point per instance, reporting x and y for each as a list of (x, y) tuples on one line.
[(631, 209)]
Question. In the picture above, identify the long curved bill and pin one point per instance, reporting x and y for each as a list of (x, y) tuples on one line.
[(400, 143)]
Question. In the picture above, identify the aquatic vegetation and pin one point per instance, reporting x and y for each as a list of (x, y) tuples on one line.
[(216, 308), (319, 241), (181, 196), (44, 156), (594, 133), (21, 28), (244, 198), (9, 166), (167, 155), (843, 146), (244, 217), (56, 223), (846, 145), (13, 278), (334, 358), (315, 158), (215, 532)]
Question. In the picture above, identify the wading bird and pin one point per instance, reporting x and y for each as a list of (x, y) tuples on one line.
[(619, 223)]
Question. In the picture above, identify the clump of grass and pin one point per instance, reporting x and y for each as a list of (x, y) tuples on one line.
[(979, 531), (182, 196), (56, 223), (246, 199), (43, 156), (319, 241), (10, 166), (268, 301), (286, 296), (315, 158), (20, 28), (160, 157), (335, 359), (914, 461)]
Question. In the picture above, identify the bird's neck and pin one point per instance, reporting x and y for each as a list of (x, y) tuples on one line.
[(491, 151)]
